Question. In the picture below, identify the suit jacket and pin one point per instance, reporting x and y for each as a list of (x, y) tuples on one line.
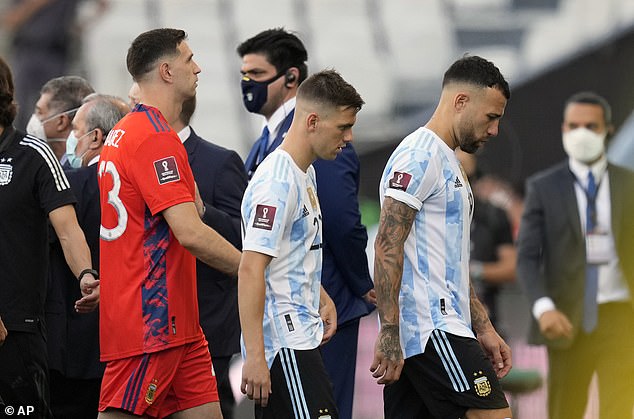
[(551, 244), (345, 273), (221, 180), (73, 338), (251, 162)]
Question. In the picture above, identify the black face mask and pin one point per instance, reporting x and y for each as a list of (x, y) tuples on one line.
[(254, 93)]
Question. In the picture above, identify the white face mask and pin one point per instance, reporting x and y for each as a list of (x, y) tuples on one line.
[(35, 127), (584, 145)]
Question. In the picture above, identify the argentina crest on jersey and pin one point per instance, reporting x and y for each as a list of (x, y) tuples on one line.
[(6, 171)]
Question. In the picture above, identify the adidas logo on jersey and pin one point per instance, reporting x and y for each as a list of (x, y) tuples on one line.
[(457, 184), (305, 212)]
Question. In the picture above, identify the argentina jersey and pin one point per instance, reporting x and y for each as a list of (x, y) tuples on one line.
[(424, 173), (281, 218)]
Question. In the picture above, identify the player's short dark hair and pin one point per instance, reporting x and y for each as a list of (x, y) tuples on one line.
[(477, 71), (281, 48), (148, 47), (329, 88), (592, 98), (8, 107)]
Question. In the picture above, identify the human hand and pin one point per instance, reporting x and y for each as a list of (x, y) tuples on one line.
[(388, 357), (370, 297), (328, 314), (90, 291), (497, 350), (554, 324), (256, 380), (3, 332)]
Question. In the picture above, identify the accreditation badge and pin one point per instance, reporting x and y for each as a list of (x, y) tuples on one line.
[(599, 248)]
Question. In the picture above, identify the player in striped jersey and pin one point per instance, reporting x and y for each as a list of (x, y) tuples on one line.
[(284, 312), (427, 308), (33, 190)]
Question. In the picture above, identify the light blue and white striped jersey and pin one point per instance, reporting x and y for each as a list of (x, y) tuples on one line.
[(424, 173), (281, 218)]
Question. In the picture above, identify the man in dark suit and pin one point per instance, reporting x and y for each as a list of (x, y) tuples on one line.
[(73, 339), (273, 67), (221, 181), (575, 260)]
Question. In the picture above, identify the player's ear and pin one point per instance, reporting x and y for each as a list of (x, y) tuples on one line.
[(311, 121), (165, 72), (460, 101)]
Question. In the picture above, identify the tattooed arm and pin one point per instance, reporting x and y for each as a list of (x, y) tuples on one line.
[(493, 345), (389, 247)]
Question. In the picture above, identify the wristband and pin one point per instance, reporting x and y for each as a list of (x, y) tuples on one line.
[(91, 271)]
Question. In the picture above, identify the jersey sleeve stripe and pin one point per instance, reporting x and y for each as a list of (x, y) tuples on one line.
[(149, 116), (156, 121), (47, 154), (164, 126)]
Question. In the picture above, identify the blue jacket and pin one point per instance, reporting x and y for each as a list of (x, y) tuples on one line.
[(345, 273)]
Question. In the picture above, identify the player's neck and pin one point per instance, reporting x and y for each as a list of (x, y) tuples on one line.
[(169, 109), (299, 152), (162, 99), (442, 130)]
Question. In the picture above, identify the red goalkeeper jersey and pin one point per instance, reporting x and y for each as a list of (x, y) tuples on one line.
[(148, 280)]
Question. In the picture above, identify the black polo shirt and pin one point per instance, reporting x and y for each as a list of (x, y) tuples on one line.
[(32, 184)]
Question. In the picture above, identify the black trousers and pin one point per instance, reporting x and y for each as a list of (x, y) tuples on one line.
[(225, 393), (24, 374), (340, 360), (74, 398)]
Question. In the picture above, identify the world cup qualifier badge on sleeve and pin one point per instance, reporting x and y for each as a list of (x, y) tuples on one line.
[(264, 217), (400, 181), (166, 170)]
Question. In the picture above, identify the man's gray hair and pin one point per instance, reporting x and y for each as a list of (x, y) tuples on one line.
[(105, 112), (66, 93)]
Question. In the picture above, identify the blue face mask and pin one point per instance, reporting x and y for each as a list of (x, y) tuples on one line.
[(71, 144), (254, 93)]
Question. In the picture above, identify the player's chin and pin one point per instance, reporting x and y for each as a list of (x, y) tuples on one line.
[(339, 150), (330, 155)]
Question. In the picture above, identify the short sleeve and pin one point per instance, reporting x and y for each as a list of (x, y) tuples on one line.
[(162, 173), (53, 188), (266, 208), (411, 176)]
